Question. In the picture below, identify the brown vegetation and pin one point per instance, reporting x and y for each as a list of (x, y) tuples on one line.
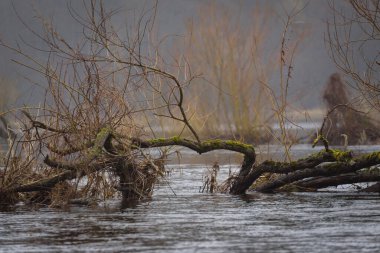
[(236, 96), (88, 139), (343, 122), (353, 50)]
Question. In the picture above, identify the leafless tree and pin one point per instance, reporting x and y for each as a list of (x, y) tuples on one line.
[(353, 38), (87, 139)]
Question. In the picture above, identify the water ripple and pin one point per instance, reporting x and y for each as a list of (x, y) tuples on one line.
[(194, 222)]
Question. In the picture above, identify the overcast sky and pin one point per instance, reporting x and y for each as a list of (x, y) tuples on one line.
[(312, 64)]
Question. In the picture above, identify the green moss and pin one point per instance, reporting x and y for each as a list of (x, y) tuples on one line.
[(342, 156), (105, 130), (158, 140), (319, 155), (176, 139), (240, 144), (372, 156), (214, 142), (96, 150), (103, 133), (323, 140), (217, 143), (338, 155), (99, 141)]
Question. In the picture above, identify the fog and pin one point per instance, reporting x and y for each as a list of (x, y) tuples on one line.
[(311, 68)]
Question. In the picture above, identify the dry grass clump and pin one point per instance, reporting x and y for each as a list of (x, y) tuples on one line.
[(138, 178), (210, 183), (228, 55), (241, 61)]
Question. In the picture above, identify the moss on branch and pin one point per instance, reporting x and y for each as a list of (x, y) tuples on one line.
[(202, 147), (326, 169), (239, 184)]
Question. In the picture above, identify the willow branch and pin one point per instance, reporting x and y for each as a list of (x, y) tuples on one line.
[(41, 125)]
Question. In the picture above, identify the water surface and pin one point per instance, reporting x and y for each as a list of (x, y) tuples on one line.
[(189, 221)]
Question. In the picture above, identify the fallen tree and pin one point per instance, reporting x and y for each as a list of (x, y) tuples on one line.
[(87, 140), (323, 169)]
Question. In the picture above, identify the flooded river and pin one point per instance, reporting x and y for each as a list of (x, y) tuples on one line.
[(180, 219)]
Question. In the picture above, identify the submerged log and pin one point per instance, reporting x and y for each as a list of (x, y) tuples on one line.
[(324, 169), (350, 178), (137, 178), (372, 188), (240, 183), (280, 167)]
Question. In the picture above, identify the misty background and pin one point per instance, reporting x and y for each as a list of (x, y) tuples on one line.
[(312, 65)]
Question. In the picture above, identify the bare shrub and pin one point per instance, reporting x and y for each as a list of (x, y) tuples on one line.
[(352, 37), (100, 86), (236, 96), (342, 119)]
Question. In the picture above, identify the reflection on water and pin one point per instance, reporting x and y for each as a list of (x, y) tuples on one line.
[(196, 222)]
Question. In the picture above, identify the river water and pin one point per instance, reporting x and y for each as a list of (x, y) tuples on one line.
[(180, 219)]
